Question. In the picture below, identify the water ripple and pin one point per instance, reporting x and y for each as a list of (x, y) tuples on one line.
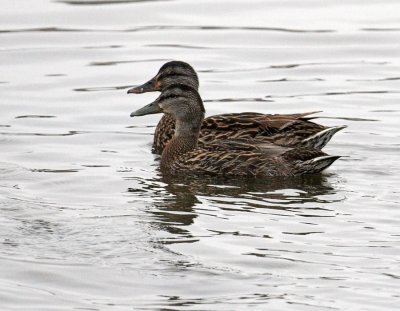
[(81, 194), (117, 62), (102, 88), (341, 93), (223, 100), (34, 117), (167, 28), (105, 2)]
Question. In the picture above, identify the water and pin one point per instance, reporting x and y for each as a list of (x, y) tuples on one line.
[(88, 223)]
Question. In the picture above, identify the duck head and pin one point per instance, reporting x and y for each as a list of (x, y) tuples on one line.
[(174, 72), (183, 103)]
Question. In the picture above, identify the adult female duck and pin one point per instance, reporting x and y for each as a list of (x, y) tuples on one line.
[(182, 155), (280, 129)]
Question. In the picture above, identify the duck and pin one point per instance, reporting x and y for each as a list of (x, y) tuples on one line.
[(230, 157), (282, 129)]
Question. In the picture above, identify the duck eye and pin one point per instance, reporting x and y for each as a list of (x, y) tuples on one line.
[(172, 96)]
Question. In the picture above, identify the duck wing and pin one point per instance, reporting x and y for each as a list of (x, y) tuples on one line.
[(231, 126), (261, 116), (290, 130), (249, 124), (257, 162), (245, 144), (284, 130)]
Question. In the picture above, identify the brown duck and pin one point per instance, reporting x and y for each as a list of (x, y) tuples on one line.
[(281, 129), (230, 157)]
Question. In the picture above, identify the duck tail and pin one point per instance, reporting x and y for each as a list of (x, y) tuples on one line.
[(316, 165), (306, 115), (320, 139)]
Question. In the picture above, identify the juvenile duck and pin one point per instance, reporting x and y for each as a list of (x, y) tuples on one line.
[(281, 129), (182, 155)]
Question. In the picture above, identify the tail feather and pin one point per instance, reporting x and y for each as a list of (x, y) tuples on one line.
[(306, 115), (320, 139), (315, 165)]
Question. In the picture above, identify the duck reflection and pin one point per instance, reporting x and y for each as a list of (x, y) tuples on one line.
[(174, 199)]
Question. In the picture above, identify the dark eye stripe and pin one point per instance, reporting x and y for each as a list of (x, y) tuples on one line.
[(169, 75), (170, 96)]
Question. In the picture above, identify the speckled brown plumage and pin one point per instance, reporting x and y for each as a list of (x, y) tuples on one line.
[(246, 163), (281, 129), (284, 130), (229, 157)]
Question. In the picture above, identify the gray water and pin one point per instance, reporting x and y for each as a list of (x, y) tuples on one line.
[(88, 223)]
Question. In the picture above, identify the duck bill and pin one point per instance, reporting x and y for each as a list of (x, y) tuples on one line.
[(149, 86), (148, 109)]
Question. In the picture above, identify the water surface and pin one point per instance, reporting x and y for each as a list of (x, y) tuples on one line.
[(88, 223)]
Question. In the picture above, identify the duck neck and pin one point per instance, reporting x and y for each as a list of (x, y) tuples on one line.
[(163, 133), (184, 140)]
